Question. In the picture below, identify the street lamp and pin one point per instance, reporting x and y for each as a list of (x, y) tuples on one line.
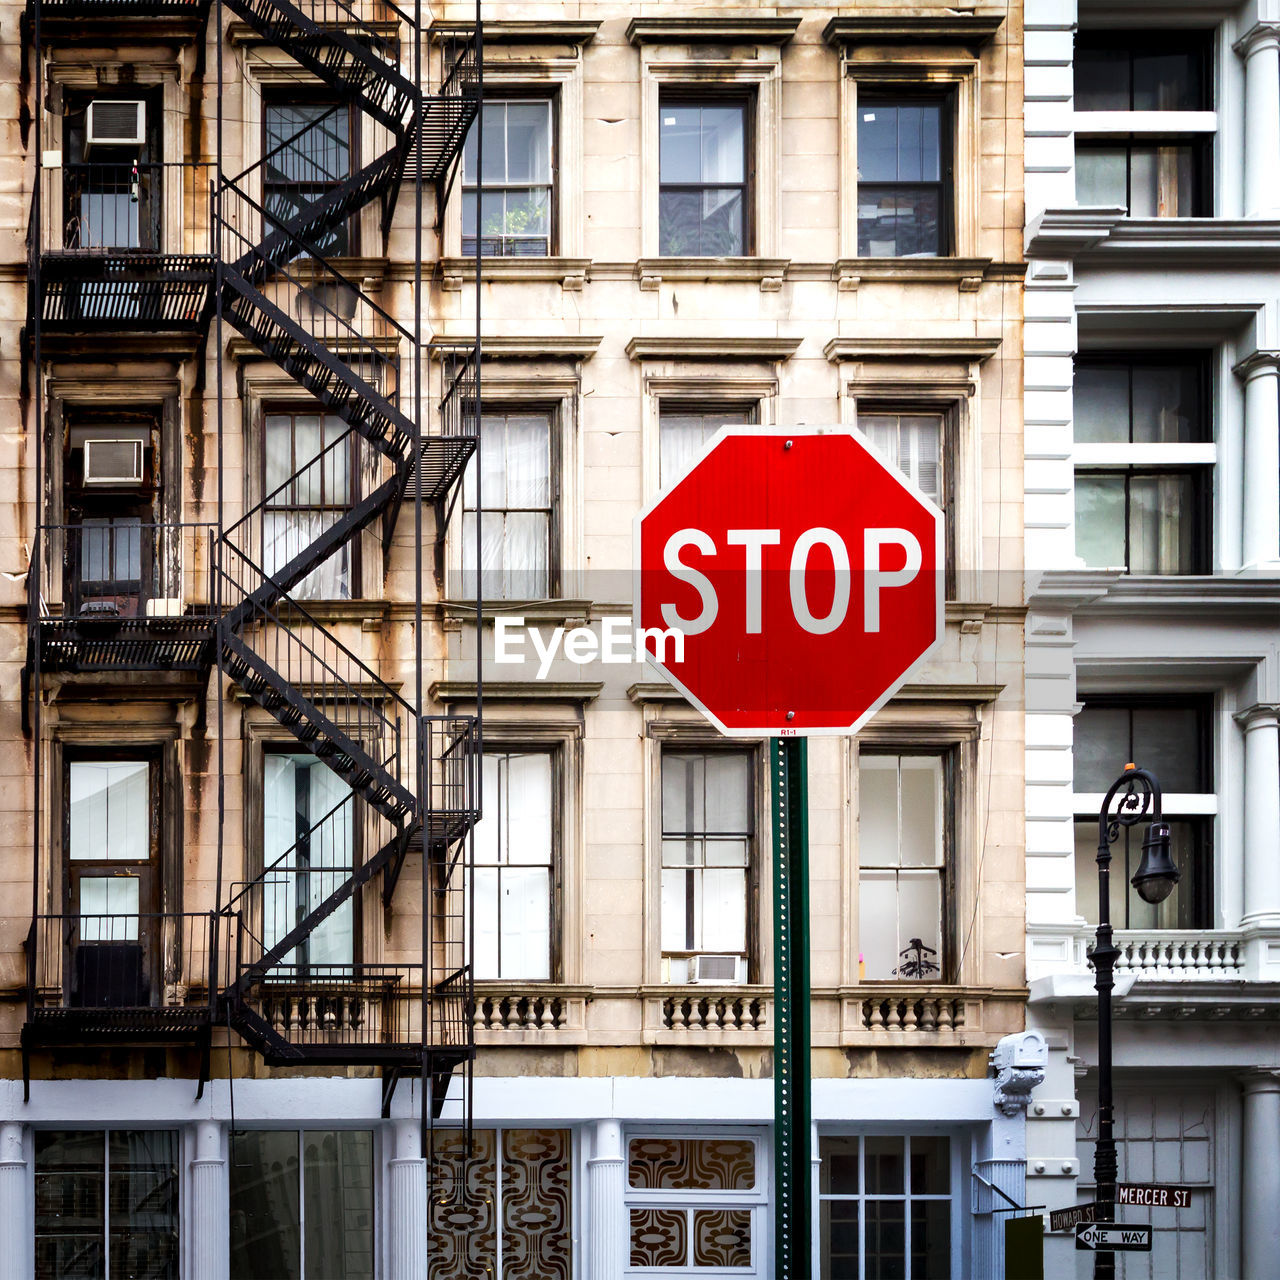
[(1139, 795)]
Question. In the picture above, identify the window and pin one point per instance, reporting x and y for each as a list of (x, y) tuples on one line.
[(302, 1204), (912, 442), (902, 841), (310, 479), (504, 1208), (1144, 457), (707, 843), (904, 176), (694, 1203), (519, 180), (515, 867), (308, 851), (683, 432), (112, 837), (515, 460), (308, 150), (1155, 173), (106, 1204), (704, 197), (885, 1208), (1173, 739), (112, 194)]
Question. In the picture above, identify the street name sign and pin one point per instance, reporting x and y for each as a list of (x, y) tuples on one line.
[(1113, 1235), (804, 575), (1155, 1195), (1065, 1219)]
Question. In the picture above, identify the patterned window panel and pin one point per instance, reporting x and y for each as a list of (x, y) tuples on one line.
[(528, 1190), (697, 1232)]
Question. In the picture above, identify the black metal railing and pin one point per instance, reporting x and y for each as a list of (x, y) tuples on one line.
[(122, 961), (106, 569), (126, 207)]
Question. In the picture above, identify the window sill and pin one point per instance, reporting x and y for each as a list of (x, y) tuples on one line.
[(968, 273), (570, 272), (768, 273)]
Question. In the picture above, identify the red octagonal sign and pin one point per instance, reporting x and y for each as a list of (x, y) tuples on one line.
[(798, 579)]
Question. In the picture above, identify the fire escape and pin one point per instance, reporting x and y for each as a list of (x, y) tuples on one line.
[(273, 956)]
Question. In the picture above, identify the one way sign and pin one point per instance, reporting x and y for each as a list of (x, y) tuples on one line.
[(1110, 1235)]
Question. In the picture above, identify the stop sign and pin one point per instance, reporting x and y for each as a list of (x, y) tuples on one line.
[(797, 580)]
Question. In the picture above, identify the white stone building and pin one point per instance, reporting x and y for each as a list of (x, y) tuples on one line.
[(1153, 559)]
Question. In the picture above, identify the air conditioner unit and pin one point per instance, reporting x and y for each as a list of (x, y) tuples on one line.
[(715, 969), (112, 462), (115, 122)]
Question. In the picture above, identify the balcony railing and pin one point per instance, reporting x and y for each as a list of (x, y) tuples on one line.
[(124, 244), (1201, 955), (113, 594), (118, 972)]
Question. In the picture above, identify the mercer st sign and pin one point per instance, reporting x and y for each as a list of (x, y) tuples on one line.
[(805, 575)]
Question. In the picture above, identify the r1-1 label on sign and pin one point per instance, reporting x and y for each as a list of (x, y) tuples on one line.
[(1113, 1235)]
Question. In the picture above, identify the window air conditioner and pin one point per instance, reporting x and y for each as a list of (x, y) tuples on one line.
[(115, 123), (717, 969), (112, 462)]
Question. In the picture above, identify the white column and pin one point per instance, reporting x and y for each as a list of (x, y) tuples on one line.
[(1261, 521), (1261, 726), (1260, 49), (407, 1212), (606, 1227), (210, 1208), (1259, 1191), (15, 1227)]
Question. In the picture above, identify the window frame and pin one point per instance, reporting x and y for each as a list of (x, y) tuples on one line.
[(301, 970), (1196, 458), (948, 922), (357, 453), (755, 1201), (555, 751), (292, 94), (1198, 41), (508, 93), (754, 875), (671, 407), (881, 70), (180, 1187), (676, 96), (375, 1176), (946, 184), (958, 1147), (1200, 145), (554, 412), (1198, 809)]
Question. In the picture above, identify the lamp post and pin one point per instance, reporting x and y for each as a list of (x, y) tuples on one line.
[(1139, 795)]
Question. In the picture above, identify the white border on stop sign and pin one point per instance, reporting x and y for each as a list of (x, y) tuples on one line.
[(788, 433)]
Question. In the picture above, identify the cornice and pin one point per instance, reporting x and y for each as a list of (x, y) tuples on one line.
[(497, 31), (677, 347), (842, 349), (1105, 232), (768, 273), (973, 30), (968, 273), (729, 29), (570, 272), (1102, 590), (579, 691), (555, 346)]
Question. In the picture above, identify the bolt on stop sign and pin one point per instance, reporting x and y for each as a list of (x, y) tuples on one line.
[(804, 573)]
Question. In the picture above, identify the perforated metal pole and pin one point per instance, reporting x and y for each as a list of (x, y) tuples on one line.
[(792, 1168)]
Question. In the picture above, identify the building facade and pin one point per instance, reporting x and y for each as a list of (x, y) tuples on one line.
[(1151, 483), (242, 881)]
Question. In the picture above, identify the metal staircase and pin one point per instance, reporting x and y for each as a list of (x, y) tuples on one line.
[(294, 983)]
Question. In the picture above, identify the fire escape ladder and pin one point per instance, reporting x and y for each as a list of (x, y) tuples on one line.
[(292, 980)]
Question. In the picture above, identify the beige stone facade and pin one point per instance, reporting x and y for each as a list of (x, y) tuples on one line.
[(605, 335)]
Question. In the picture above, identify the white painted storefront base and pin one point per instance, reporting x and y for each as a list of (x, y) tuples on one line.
[(601, 1112)]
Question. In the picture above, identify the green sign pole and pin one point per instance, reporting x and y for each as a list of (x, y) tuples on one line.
[(793, 1166)]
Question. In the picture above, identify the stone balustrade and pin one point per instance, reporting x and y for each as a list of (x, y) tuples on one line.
[(1174, 956)]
